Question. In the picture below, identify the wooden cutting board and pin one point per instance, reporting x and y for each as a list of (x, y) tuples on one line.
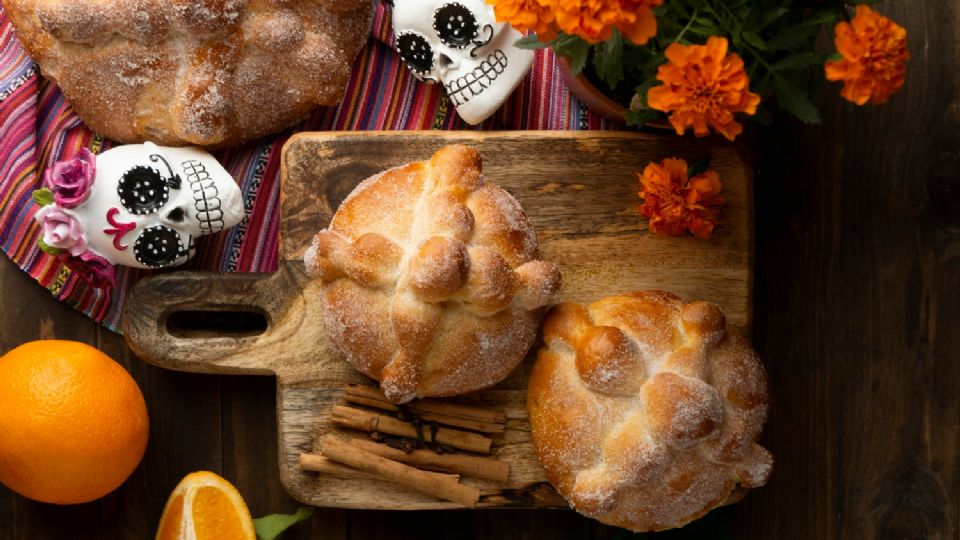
[(579, 190)]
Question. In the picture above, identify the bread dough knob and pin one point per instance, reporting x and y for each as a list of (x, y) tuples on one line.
[(439, 268), (609, 362), (400, 378), (682, 410), (490, 285), (704, 319), (537, 283)]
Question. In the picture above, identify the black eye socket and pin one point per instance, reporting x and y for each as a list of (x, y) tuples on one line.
[(416, 52), (176, 215), (158, 246), (456, 25), (143, 190)]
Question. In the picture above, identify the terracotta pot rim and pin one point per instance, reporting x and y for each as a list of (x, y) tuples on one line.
[(589, 94), (594, 98)]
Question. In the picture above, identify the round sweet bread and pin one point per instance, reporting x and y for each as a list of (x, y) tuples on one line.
[(201, 72), (433, 278), (645, 410)]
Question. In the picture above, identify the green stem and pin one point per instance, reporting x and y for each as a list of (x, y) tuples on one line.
[(689, 23), (757, 56), (725, 8)]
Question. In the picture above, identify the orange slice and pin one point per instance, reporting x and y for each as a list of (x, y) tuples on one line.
[(204, 506)]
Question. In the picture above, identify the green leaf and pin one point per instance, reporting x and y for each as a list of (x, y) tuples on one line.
[(754, 40), (608, 59), (574, 48), (769, 16), (792, 100), (642, 90), (531, 42), (699, 167), (703, 30), (272, 526), (48, 249), (679, 8), (798, 61), (835, 57), (639, 118), (827, 16), (792, 38), (43, 196)]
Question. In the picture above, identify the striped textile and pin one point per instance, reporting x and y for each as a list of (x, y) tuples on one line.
[(37, 127)]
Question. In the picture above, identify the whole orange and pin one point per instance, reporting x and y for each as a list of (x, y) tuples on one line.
[(73, 423)]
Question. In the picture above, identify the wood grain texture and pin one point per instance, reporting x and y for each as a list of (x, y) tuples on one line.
[(581, 199), (579, 190), (858, 306)]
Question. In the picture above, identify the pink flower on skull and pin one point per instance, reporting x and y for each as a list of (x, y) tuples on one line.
[(93, 269), (61, 229), (71, 179)]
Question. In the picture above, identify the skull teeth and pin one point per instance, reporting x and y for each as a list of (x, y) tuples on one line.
[(206, 197), (462, 89)]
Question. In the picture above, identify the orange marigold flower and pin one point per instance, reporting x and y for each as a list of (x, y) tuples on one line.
[(874, 57), (594, 20), (703, 86), (528, 16), (675, 203)]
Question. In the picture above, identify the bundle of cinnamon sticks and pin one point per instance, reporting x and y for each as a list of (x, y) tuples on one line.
[(429, 430)]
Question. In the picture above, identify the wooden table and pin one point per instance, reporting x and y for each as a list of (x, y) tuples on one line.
[(857, 317)]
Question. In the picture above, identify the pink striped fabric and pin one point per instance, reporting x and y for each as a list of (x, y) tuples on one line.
[(38, 127)]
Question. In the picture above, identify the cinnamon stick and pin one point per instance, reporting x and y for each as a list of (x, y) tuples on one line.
[(455, 421), (431, 405), (463, 411), (320, 464), (480, 467), (424, 481), (371, 421)]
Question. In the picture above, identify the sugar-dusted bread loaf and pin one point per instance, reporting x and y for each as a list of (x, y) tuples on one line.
[(433, 278), (203, 72), (646, 410)]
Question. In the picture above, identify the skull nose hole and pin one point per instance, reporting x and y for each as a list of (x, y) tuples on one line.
[(444, 61), (176, 215)]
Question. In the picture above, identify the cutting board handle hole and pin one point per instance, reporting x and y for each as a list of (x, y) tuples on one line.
[(220, 323)]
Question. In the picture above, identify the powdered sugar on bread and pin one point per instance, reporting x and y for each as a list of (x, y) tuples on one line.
[(645, 410), (454, 260), (138, 70)]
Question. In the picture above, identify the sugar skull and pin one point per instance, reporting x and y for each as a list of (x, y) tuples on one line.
[(461, 45), (137, 205)]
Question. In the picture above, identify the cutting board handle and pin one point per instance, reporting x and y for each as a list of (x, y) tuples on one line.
[(211, 322)]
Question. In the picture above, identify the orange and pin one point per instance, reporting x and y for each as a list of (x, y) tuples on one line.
[(204, 506), (73, 423)]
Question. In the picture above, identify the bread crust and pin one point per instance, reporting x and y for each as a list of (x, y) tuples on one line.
[(645, 409), (433, 279), (201, 72)]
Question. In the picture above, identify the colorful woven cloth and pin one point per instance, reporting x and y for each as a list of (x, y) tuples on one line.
[(38, 127)]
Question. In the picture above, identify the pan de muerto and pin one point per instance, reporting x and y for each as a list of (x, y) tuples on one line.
[(203, 72), (433, 278), (645, 409)]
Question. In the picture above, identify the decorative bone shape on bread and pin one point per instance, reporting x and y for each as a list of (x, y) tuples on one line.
[(453, 264), (645, 409)]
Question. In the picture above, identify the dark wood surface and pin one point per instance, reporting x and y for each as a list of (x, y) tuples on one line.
[(857, 318)]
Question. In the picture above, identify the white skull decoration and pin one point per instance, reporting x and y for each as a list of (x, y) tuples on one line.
[(461, 45), (144, 206)]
